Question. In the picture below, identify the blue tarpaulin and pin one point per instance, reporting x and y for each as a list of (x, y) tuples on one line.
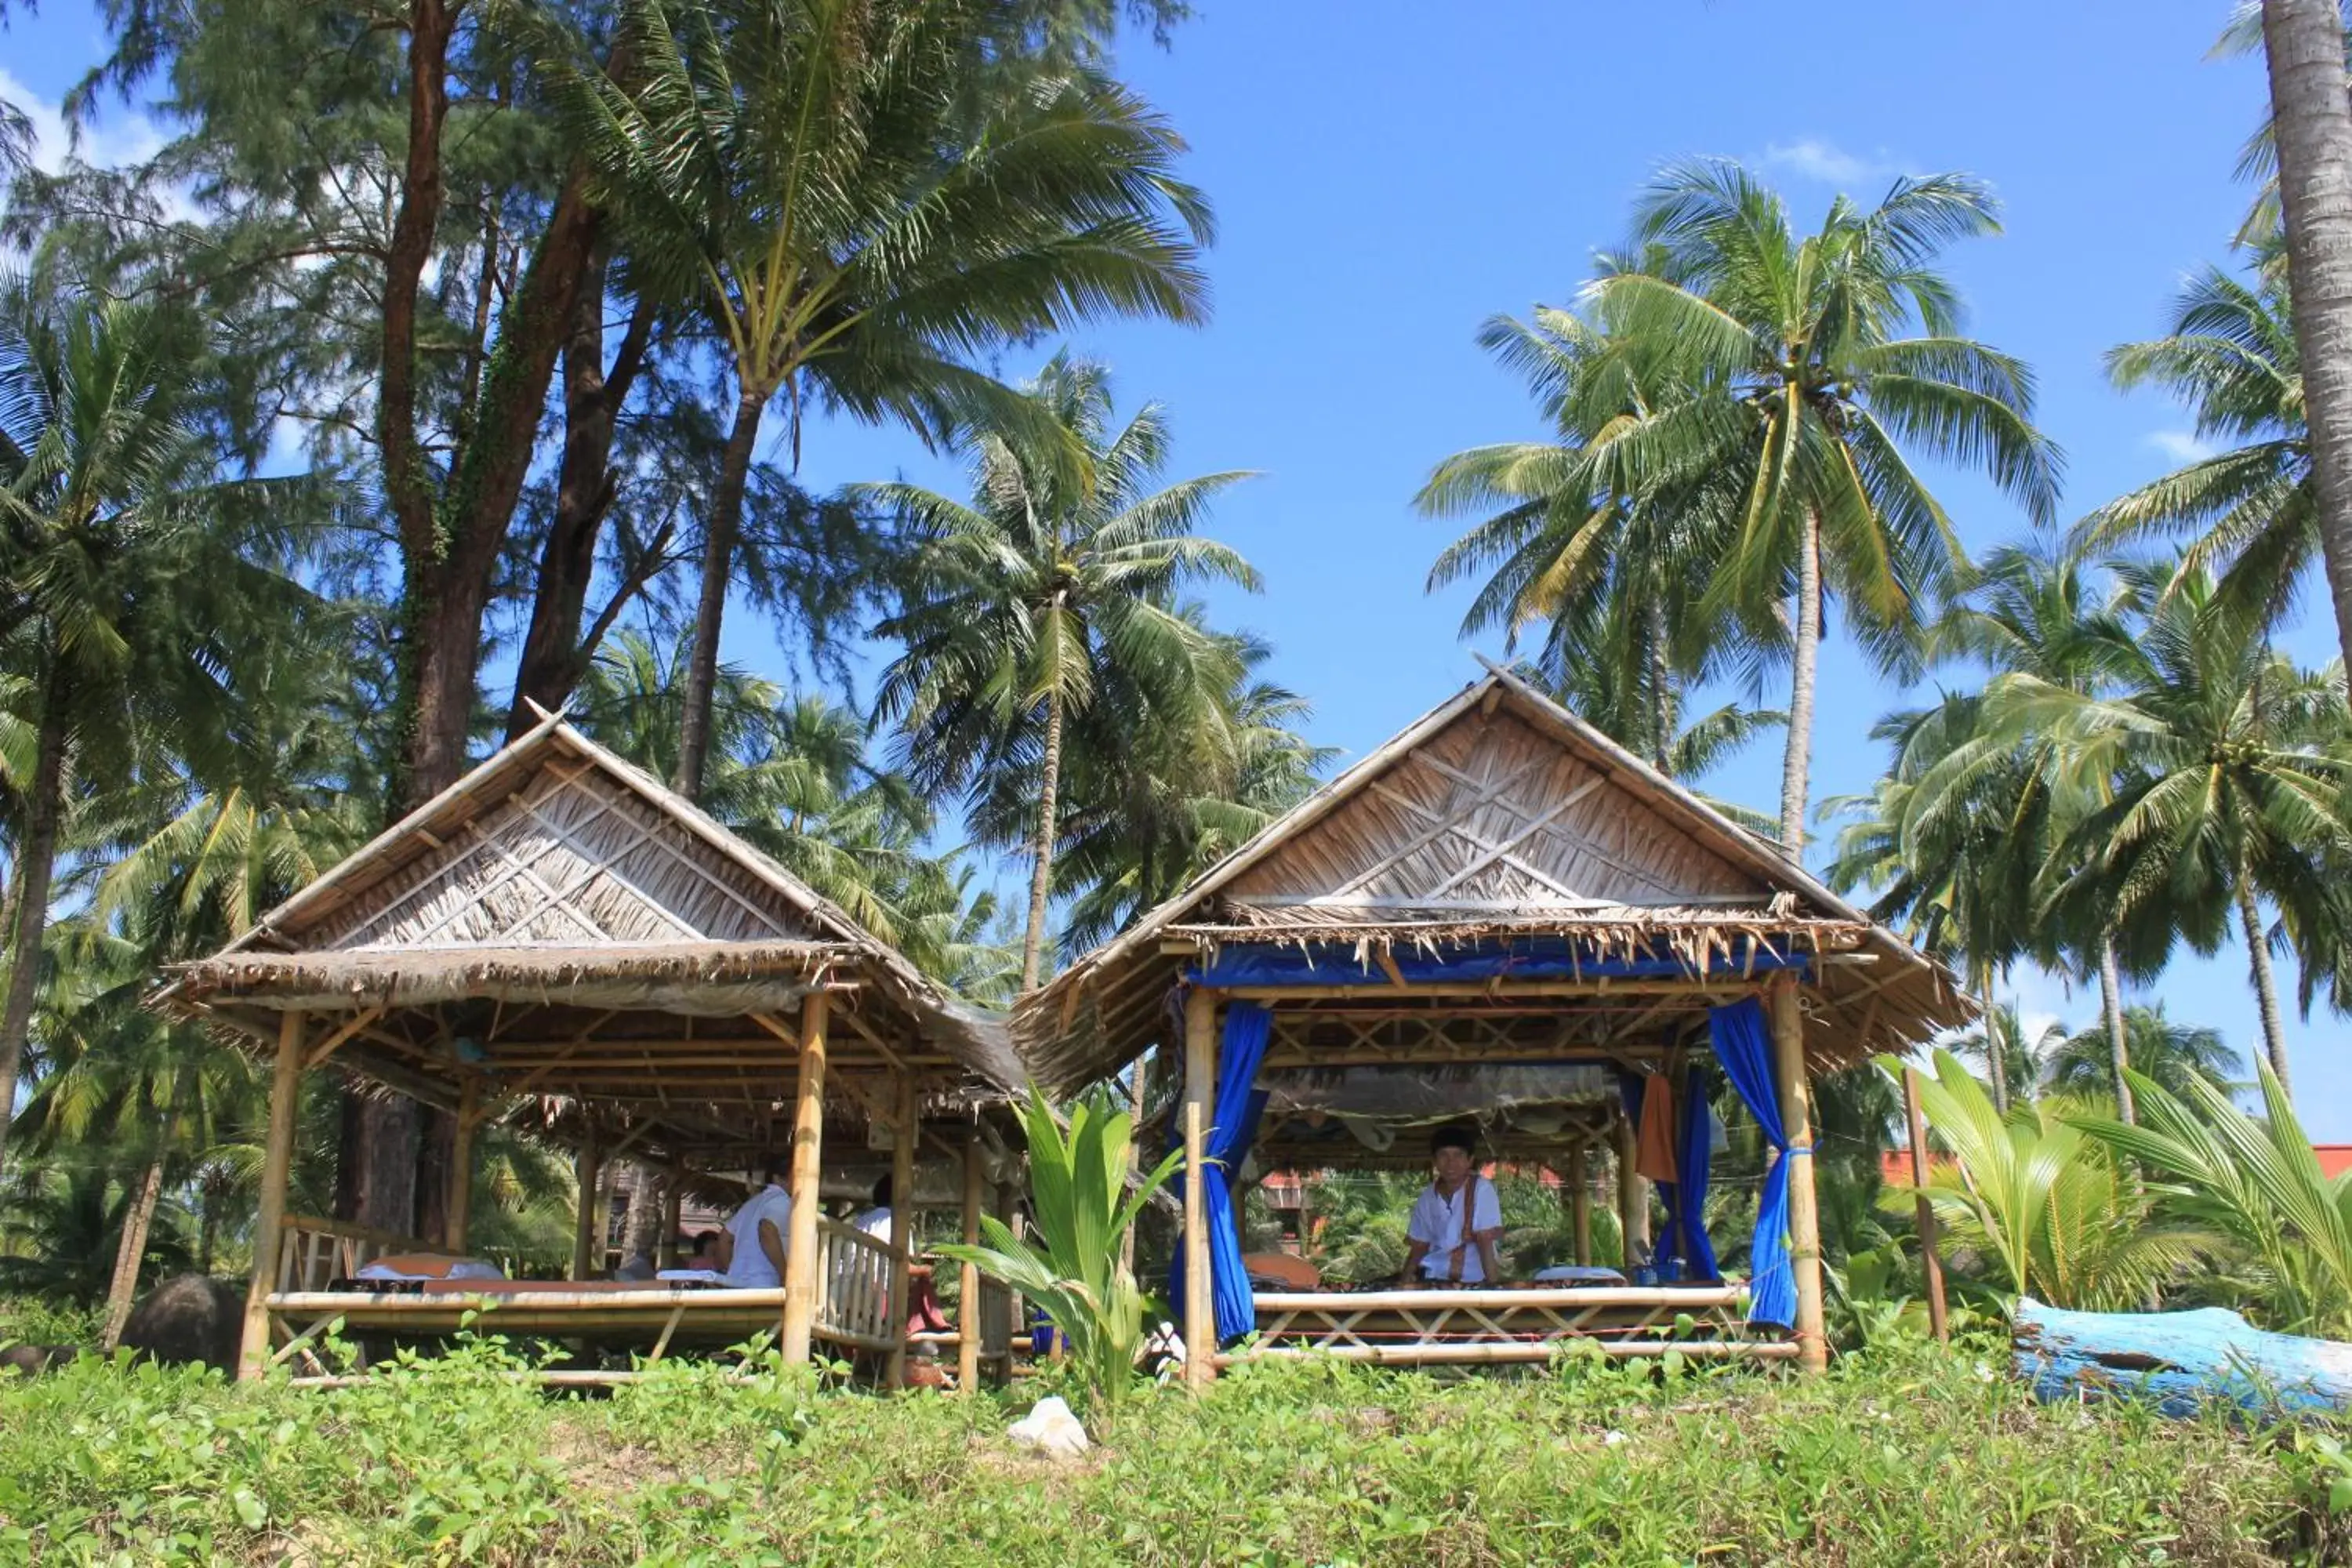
[(1233, 1127), (1519, 958), (1743, 1044)]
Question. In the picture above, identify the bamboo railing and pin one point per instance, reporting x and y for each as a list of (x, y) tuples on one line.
[(312, 1253), (853, 1282)]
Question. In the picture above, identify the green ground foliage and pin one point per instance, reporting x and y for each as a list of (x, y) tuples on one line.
[(1905, 1455)]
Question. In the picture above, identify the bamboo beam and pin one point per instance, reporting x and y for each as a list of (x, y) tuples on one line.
[(461, 1163), (968, 1324), (1536, 1351), (808, 1139), (1200, 1090), (1579, 1206), (269, 1224), (905, 1130), (1707, 986), (1931, 1262), (1804, 1206), (586, 1236)]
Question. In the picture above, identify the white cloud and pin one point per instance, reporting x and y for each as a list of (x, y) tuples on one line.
[(112, 140), (2180, 446), (1816, 158)]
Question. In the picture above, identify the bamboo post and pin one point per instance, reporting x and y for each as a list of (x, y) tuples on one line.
[(269, 1224), (1200, 1089), (808, 1139), (673, 1201), (1008, 1214), (967, 1325), (902, 1224), (1579, 1206), (585, 1237), (1804, 1207), (1633, 1200), (1931, 1262), (461, 1165)]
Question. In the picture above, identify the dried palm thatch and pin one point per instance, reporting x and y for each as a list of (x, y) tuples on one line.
[(559, 923), (1500, 816)]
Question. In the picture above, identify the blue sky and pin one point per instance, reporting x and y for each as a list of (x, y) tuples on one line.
[(1386, 175)]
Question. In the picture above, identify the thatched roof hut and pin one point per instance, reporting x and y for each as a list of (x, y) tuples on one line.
[(1498, 816)]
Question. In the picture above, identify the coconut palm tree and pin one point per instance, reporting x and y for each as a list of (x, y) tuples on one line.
[(2249, 511), (858, 196), (2225, 767), (1052, 584), (2311, 119), (2081, 1065), (1829, 361), (119, 578)]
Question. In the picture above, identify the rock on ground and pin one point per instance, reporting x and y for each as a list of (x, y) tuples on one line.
[(189, 1320)]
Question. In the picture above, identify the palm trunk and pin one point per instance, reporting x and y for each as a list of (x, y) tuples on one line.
[(1661, 699), (717, 575), (1033, 942), (2258, 951), (2302, 41), (36, 864), (2111, 1003), (1797, 761), (641, 1226), (1996, 1061), (137, 1218)]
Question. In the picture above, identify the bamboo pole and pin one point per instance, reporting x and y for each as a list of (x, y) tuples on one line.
[(461, 1165), (967, 1325), (801, 1260), (1530, 1351), (1200, 1088), (1632, 1202), (586, 1234), (269, 1224), (1804, 1206), (1579, 1206), (1008, 1214), (1931, 1262), (673, 1202), (904, 1131)]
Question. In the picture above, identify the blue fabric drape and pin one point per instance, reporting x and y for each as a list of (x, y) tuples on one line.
[(1233, 1127), (1743, 1044), (1517, 958), (1694, 1144)]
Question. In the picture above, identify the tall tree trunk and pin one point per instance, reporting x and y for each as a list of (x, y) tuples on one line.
[(138, 1217), (718, 538), (2111, 1005), (2311, 118), (1033, 942), (554, 656), (1797, 761), (1662, 697), (1996, 1048), (641, 1226), (2258, 953), (35, 861)]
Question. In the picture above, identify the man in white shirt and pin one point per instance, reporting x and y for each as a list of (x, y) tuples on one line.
[(1457, 1219), (876, 1221), (751, 1250)]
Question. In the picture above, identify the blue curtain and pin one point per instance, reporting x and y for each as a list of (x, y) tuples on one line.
[(1743, 1044), (1685, 1195), (1235, 1118)]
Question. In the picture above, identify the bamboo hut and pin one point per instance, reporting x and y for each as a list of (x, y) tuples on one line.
[(1504, 916), (559, 941)]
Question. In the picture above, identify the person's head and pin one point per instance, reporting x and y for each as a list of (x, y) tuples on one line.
[(882, 1194), (1450, 1149), (778, 1168)]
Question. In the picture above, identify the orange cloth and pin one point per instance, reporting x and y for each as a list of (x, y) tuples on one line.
[(1653, 1138)]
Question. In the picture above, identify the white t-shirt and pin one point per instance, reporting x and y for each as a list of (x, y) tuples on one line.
[(1438, 1222), (875, 1223), (750, 1270)]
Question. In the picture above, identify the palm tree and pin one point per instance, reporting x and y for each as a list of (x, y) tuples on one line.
[(1054, 583), (1827, 362), (2082, 1065), (2225, 767), (2023, 1061), (2302, 42), (2252, 510), (119, 578), (858, 195)]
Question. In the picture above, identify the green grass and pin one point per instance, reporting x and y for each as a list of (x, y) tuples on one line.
[(1911, 1456)]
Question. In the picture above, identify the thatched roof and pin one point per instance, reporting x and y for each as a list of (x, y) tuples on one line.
[(559, 920), (1499, 816)]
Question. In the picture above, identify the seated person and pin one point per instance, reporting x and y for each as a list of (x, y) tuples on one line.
[(751, 1250), (875, 1221), (1457, 1219), (700, 1252)]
